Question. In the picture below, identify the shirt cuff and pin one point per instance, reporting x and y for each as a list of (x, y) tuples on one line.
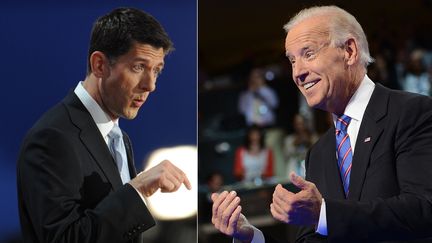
[(258, 236), (322, 222)]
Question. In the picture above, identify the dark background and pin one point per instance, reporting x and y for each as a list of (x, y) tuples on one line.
[(236, 36), (231, 32), (43, 52)]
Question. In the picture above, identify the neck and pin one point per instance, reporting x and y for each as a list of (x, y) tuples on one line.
[(93, 86), (353, 79)]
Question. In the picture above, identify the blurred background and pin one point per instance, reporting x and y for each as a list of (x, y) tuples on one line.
[(244, 78), (44, 45)]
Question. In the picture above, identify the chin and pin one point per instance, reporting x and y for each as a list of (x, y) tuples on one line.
[(129, 115), (312, 103), (317, 105)]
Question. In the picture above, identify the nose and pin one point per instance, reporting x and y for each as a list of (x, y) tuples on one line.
[(299, 71), (148, 82)]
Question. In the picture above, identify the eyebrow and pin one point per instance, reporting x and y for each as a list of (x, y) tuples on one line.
[(140, 59), (288, 55)]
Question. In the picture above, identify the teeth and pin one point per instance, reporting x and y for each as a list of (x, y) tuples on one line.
[(309, 85)]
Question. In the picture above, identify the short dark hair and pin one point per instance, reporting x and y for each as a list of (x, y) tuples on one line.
[(249, 130), (116, 32)]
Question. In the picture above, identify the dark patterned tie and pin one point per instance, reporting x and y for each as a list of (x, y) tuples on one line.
[(344, 151)]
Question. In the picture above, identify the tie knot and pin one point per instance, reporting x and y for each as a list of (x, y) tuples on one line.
[(342, 123), (115, 132)]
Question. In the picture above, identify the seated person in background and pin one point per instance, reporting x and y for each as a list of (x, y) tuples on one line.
[(214, 183), (259, 101), (253, 160), (417, 79), (297, 144)]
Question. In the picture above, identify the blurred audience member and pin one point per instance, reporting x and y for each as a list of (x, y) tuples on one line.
[(378, 70), (215, 181), (417, 78), (297, 144), (401, 59), (259, 101), (253, 160)]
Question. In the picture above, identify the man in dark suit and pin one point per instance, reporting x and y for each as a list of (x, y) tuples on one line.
[(368, 179), (76, 175)]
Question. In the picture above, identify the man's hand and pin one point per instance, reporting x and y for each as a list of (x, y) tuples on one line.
[(227, 216), (302, 208), (165, 176)]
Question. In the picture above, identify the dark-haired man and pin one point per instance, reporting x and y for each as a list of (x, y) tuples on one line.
[(76, 175)]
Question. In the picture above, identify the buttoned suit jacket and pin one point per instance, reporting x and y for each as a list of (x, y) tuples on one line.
[(69, 187), (390, 191)]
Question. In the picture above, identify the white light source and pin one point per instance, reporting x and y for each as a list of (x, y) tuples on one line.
[(269, 75), (182, 203)]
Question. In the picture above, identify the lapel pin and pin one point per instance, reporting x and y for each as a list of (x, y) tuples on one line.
[(367, 139)]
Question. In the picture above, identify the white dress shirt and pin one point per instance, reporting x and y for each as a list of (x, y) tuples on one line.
[(103, 120), (355, 109)]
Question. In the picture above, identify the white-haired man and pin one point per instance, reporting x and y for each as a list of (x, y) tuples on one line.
[(367, 178)]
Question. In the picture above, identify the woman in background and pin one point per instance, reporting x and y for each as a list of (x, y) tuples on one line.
[(253, 160)]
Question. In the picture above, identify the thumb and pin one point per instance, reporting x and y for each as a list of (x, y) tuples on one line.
[(298, 181)]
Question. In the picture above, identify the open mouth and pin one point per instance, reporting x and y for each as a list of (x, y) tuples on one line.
[(310, 84), (138, 102)]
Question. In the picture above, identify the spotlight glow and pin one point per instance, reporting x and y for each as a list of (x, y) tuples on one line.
[(182, 203)]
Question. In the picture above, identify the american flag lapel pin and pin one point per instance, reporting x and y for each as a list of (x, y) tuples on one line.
[(367, 139)]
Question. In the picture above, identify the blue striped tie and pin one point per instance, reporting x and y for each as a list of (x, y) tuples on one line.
[(344, 151)]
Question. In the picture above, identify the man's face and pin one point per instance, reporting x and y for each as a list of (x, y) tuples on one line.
[(318, 69), (130, 80)]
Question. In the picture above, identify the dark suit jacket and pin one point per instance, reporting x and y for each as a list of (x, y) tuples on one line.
[(69, 188), (390, 195)]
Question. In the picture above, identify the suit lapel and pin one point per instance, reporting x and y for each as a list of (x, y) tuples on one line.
[(92, 139), (369, 133)]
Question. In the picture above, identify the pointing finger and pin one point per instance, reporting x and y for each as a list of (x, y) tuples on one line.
[(181, 176), (187, 183)]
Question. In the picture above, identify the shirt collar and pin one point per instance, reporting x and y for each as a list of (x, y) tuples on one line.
[(102, 119), (357, 104)]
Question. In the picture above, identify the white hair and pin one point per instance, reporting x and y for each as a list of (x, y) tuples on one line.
[(342, 26)]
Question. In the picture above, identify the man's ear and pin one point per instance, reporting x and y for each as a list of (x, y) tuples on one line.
[(351, 51), (99, 64)]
